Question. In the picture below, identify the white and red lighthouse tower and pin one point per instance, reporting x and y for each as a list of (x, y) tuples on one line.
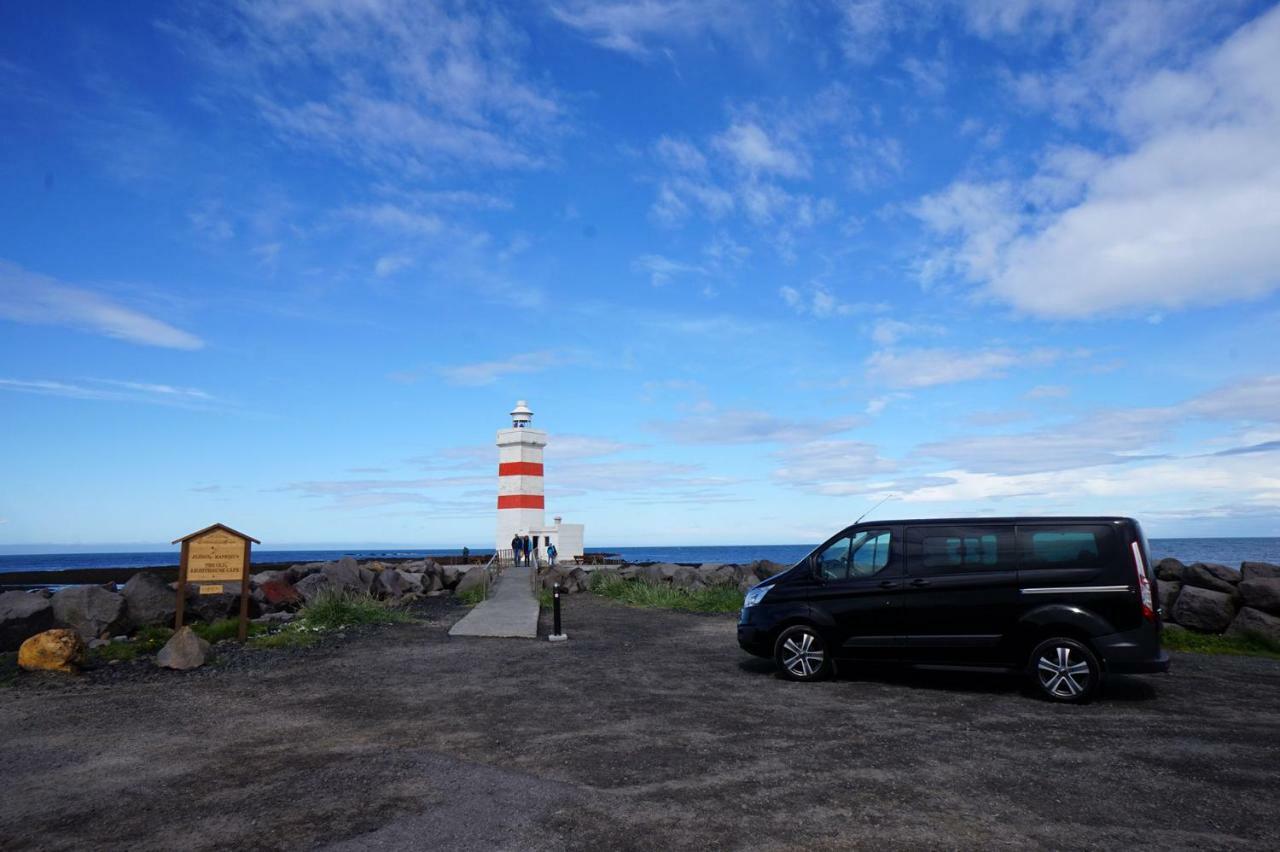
[(521, 499)]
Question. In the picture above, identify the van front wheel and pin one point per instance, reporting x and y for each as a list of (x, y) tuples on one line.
[(1065, 670), (801, 654)]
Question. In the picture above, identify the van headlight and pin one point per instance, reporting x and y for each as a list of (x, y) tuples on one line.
[(754, 596)]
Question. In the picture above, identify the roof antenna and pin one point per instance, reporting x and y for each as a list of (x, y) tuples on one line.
[(873, 508)]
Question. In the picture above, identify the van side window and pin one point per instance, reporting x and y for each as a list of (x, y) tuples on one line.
[(864, 554), (1064, 546), (953, 550)]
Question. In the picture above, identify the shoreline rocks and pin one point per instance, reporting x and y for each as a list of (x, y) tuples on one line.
[(57, 650), (23, 615)]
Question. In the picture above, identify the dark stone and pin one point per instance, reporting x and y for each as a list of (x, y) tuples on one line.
[(1204, 609), (389, 583), (474, 579), (210, 608), (1170, 569), (651, 574), (687, 578), (347, 576), (22, 615), (1168, 596), (312, 586), (148, 600), (91, 611), (1256, 624), (1259, 571), (1261, 594), (764, 568), (1208, 575)]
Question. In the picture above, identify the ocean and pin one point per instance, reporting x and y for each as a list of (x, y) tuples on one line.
[(1228, 551)]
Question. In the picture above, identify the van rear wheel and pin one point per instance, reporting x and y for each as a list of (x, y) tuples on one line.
[(801, 654), (1065, 670)]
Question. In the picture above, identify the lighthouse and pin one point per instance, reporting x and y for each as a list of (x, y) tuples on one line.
[(521, 498)]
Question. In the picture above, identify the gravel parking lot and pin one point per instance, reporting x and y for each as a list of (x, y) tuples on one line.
[(647, 730)]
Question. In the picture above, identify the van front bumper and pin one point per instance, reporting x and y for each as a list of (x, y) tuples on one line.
[(754, 640)]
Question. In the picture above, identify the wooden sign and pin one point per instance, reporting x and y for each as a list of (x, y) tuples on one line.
[(210, 557)]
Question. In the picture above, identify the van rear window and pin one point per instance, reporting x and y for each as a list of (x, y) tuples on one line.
[(953, 551), (1063, 547)]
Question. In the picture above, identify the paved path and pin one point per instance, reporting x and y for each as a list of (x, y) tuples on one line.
[(511, 609)]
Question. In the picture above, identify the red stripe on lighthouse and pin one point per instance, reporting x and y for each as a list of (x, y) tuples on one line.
[(521, 501), (520, 469)]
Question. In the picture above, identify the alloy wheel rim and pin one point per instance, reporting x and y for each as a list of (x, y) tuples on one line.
[(802, 654), (1063, 671)]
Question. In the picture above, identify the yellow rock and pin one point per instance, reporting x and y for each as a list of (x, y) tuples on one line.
[(57, 650)]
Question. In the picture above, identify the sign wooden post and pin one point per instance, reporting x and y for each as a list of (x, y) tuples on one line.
[(210, 557)]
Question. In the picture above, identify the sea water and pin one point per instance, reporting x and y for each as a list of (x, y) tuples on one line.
[(1227, 551)]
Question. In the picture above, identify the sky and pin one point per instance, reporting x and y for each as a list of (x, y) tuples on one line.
[(756, 267)]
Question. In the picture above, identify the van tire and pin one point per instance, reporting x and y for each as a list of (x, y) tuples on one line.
[(801, 654), (1064, 670)]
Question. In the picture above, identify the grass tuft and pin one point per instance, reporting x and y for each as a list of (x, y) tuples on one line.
[(224, 628), (334, 610), (1208, 643), (472, 596), (149, 640), (288, 636), (115, 651), (663, 596)]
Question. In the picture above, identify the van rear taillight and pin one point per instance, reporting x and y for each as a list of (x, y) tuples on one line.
[(1144, 584)]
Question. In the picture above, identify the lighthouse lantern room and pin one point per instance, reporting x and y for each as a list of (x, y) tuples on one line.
[(521, 499)]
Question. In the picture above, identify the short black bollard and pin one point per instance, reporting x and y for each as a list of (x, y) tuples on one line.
[(556, 635)]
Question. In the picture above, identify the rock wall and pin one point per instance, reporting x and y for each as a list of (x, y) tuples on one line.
[(1210, 598)]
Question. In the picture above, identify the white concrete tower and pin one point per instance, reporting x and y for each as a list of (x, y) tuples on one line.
[(520, 494)]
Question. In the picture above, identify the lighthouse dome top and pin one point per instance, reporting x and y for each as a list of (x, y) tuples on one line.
[(521, 414)]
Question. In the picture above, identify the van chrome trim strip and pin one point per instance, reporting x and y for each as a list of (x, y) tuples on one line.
[(1076, 590)]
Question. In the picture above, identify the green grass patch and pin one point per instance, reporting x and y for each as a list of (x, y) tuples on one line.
[(334, 610), (545, 599), (224, 628), (113, 652), (149, 640), (663, 596), (288, 636), (472, 596), (1208, 643)]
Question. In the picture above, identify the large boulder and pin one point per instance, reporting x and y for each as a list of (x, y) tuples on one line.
[(651, 574), (1170, 569), (722, 575), (412, 582), (1256, 624), (264, 577), (1204, 609), (548, 578), (1208, 575), (687, 578), (1259, 571), (91, 611), (450, 575), (58, 650), (578, 580), (1168, 597), (474, 579), (279, 594), (22, 615), (748, 583), (346, 575), (216, 606), (297, 572), (766, 568), (313, 585), (184, 650), (149, 601), (389, 583), (1261, 594)]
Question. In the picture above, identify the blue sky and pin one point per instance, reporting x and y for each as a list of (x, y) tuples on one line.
[(286, 265)]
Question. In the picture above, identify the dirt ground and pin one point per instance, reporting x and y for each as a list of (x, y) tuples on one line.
[(647, 730)]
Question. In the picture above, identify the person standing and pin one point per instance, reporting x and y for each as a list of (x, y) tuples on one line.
[(551, 553), (515, 548), (528, 548)]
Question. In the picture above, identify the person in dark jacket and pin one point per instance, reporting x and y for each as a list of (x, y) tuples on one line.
[(515, 547), (528, 548)]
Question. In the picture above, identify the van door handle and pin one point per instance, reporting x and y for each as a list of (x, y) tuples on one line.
[(919, 581), (888, 584)]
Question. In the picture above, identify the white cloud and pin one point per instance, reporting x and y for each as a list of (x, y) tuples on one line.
[(925, 367), (1187, 216), (753, 150), (408, 87), (28, 297), (390, 264), (628, 27), (393, 217), (114, 390), (488, 372), (662, 270), (887, 331), (742, 426), (831, 467)]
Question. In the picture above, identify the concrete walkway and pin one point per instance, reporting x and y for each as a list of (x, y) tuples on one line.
[(511, 609)]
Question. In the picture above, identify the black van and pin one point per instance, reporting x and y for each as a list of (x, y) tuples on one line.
[(1065, 600)]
